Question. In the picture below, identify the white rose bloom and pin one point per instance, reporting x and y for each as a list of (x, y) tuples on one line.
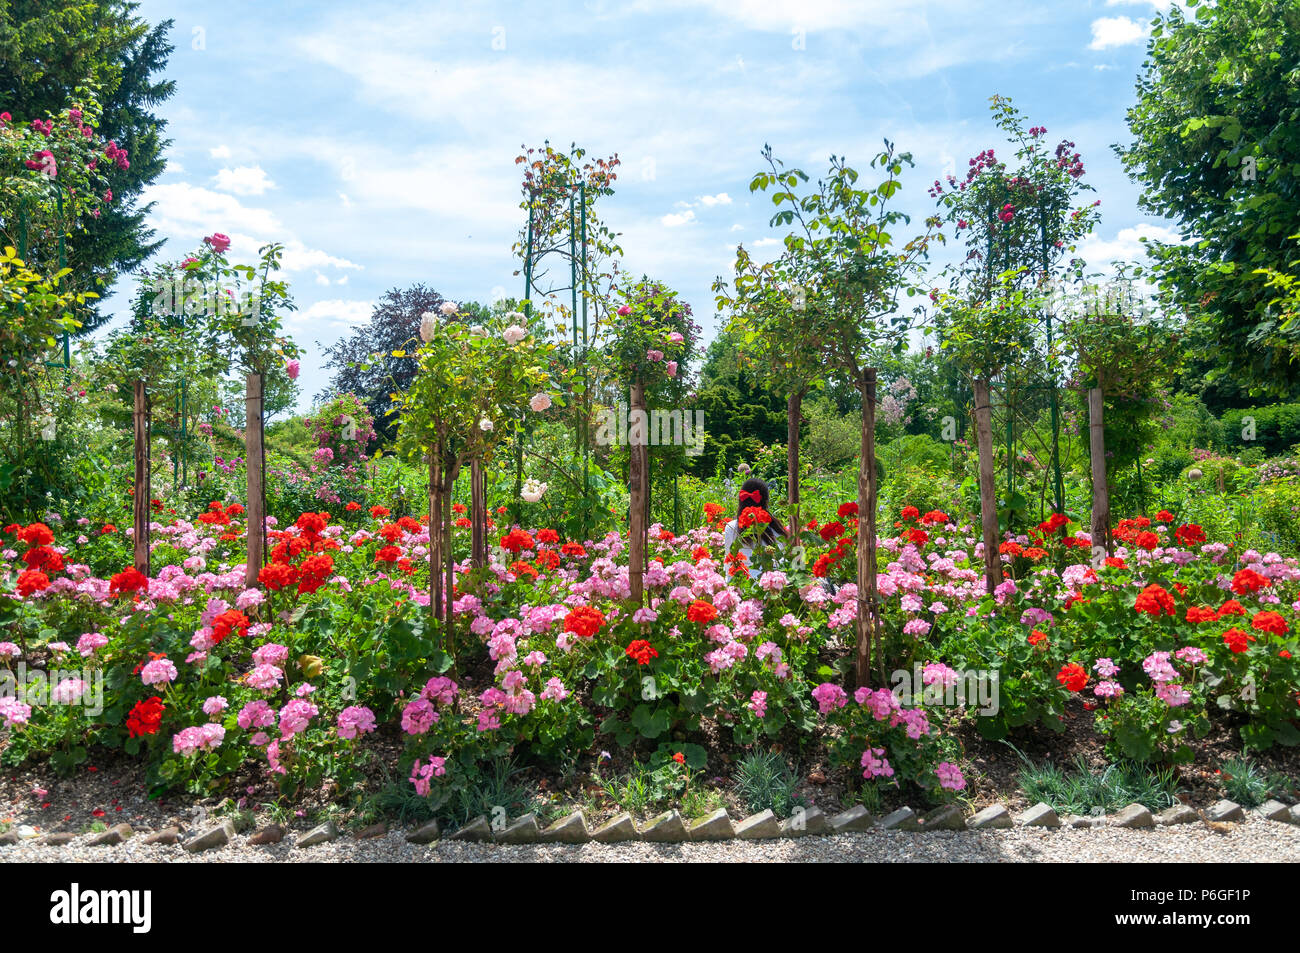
[(514, 334), (532, 491), (540, 402), (485, 424), (477, 330), (448, 307), (428, 323), (516, 317)]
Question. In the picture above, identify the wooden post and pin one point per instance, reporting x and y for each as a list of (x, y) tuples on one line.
[(254, 464), (140, 422), (868, 617), (449, 640), (1100, 487), (638, 464), (793, 418), (478, 513), (988, 491), (435, 535)]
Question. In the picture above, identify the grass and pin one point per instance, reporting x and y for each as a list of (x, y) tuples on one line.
[(1083, 791), (763, 781), (1246, 784)]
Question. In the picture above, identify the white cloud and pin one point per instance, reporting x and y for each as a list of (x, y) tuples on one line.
[(343, 197), (298, 257), (1116, 31), (766, 242), (334, 311), (322, 279), (722, 198), (737, 227), (219, 152), (1126, 245), (244, 180), (675, 219)]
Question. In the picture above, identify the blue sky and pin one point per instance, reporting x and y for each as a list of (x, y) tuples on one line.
[(377, 140)]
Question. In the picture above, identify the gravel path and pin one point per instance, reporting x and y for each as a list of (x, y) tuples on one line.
[(1254, 840)]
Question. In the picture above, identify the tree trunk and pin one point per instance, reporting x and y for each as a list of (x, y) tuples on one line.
[(793, 418), (638, 465), (140, 540), (1100, 488), (478, 513), (255, 464), (868, 619), (435, 535), (988, 491)]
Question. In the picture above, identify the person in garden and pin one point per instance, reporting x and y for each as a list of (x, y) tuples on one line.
[(754, 524)]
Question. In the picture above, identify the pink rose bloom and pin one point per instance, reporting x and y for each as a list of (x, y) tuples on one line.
[(671, 368), (292, 369), (654, 356), (218, 242), (624, 311)]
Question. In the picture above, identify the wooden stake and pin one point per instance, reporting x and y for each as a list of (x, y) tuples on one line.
[(478, 513), (1100, 486), (638, 465), (868, 618), (255, 464), (988, 490), (140, 423)]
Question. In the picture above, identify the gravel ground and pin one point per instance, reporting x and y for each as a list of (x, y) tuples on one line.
[(1252, 841)]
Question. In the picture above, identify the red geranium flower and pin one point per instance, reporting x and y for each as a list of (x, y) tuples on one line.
[(1231, 607), (548, 536), (275, 576), (641, 651), (36, 534), (32, 580), (388, 554), (128, 580), (1270, 622), (379, 512), (1073, 676), (584, 621), (702, 612), (229, 622), (909, 513), (1247, 580), (1155, 600), (1164, 516), (1237, 640), (1198, 614), (576, 550), (830, 531), (517, 540), (847, 510), (1189, 534), (1147, 541), (145, 717)]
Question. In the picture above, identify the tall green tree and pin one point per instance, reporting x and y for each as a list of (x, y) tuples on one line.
[(1217, 148), (48, 48)]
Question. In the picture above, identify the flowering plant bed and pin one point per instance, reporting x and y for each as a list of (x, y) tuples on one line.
[(328, 683)]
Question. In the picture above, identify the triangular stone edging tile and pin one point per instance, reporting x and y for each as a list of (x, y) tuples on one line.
[(477, 831), (715, 826), (945, 817), (525, 830), (616, 829), (805, 821), (567, 830), (904, 819), (1040, 815), (856, 818), (993, 817), (668, 827), (760, 826)]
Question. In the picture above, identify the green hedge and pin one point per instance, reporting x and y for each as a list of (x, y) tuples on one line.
[(1277, 427)]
